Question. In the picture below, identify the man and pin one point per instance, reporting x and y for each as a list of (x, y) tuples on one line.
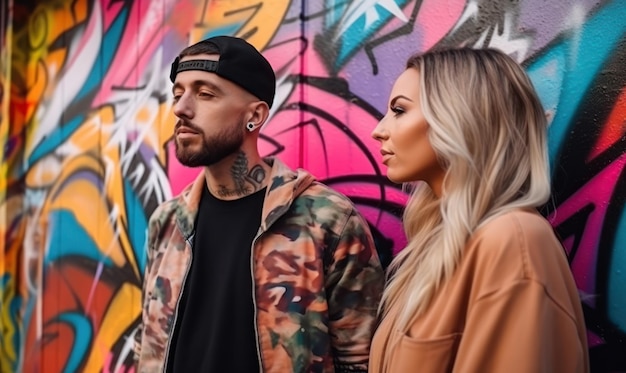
[(253, 267)]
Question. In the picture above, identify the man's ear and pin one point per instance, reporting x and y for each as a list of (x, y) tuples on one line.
[(259, 112)]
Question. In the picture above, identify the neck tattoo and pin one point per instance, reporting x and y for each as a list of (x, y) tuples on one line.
[(245, 181)]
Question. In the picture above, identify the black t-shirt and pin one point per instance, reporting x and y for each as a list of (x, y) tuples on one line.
[(215, 327)]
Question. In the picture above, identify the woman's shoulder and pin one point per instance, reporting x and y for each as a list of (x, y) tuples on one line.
[(520, 249), (520, 242), (515, 227)]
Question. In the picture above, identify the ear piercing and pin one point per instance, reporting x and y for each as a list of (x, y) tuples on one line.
[(251, 126)]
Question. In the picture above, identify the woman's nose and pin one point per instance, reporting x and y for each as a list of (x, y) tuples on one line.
[(379, 133)]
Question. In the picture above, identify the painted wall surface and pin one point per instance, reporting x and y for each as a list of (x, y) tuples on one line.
[(86, 128)]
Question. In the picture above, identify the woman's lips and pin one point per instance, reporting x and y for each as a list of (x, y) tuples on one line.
[(386, 155)]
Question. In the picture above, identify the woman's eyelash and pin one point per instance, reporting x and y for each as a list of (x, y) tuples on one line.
[(396, 110)]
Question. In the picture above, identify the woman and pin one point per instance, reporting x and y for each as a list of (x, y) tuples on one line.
[(483, 284)]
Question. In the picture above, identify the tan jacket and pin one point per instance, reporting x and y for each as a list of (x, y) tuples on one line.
[(511, 306)]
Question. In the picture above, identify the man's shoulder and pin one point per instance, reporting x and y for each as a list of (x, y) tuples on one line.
[(165, 210), (331, 197), (329, 208)]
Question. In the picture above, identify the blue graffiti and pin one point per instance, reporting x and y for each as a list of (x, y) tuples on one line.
[(83, 335), (571, 56), (349, 24), (617, 277), (68, 238), (110, 44)]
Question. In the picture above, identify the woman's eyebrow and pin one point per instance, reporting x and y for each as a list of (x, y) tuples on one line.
[(393, 101)]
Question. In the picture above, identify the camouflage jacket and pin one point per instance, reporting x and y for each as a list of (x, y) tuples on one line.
[(317, 277)]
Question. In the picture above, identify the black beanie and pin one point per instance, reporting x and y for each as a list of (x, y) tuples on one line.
[(239, 62)]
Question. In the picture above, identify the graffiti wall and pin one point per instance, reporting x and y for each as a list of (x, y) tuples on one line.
[(86, 129)]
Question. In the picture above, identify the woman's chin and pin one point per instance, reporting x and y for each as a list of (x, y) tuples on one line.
[(395, 178)]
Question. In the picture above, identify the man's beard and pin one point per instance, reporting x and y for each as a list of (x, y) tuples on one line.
[(214, 149)]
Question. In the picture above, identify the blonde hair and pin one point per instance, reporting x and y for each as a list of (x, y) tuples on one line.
[(488, 129)]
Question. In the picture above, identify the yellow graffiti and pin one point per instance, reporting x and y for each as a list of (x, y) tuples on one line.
[(106, 221), (39, 64), (11, 291), (123, 310), (5, 74), (8, 354), (258, 20), (11, 229), (85, 176)]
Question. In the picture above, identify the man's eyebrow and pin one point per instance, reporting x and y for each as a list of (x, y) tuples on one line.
[(393, 101), (200, 83)]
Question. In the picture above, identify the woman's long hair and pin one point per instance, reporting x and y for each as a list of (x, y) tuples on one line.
[(488, 129)]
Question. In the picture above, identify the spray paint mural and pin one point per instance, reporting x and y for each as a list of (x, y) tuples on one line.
[(86, 128)]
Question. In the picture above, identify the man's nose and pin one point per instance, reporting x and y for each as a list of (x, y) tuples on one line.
[(183, 107)]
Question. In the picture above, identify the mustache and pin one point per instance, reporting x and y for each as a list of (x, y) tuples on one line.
[(191, 126)]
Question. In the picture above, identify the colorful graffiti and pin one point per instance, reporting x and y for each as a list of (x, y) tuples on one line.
[(86, 128)]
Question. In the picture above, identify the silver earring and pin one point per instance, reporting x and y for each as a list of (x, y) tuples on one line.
[(251, 126)]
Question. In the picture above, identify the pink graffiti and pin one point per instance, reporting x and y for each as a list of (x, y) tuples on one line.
[(317, 137), (596, 192), (178, 175), (107, 366), (593, 339), (143, 35), (435, 19)]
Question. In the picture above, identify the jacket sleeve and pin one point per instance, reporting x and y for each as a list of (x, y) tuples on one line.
[(520, 329), (139, 331), (149, 250), (354, 285)]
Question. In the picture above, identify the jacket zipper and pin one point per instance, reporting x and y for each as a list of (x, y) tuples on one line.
[(256, 326), (182, 289)]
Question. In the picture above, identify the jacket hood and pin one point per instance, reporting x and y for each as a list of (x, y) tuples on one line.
[(284, 186)]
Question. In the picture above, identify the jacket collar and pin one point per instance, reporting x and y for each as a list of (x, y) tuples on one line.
[(283, 187)]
